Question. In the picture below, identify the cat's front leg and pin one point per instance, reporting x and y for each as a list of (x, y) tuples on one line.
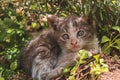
[(43, 63), (95, 51), (55, 73), (59, 70)]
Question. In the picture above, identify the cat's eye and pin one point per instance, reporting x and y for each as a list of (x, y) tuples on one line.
[(80, 33), (65, 36)]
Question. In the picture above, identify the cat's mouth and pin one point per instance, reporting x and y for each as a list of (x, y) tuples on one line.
[(75, 48)]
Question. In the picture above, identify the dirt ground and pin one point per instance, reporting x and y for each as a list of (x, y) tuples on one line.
[(114, 69)]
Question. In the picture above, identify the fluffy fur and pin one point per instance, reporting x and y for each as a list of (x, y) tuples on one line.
[(46, 56)]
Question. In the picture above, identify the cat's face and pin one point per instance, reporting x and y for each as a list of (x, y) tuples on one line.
[(74, 33)]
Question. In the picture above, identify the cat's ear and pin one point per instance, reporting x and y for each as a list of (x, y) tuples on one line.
[(90, 19), (87, 18), (53, 21)]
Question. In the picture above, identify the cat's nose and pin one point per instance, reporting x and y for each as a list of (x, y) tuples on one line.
[(73, 42)]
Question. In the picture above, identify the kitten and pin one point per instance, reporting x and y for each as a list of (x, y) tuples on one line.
[(55, 48)]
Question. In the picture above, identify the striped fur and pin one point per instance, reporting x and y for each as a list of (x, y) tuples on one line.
[(46, 56)]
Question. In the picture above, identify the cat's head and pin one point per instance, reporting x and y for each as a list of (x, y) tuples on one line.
[(73, 33)]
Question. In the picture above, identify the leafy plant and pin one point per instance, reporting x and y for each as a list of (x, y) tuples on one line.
[(13, 37), (97, 66), (113, 41)]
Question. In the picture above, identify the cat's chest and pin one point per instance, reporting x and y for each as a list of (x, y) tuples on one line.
[(66, 57)]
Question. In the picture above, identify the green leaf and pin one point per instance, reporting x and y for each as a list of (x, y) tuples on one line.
[(71, 78), (101, 15), (10, 30), (74, 70), (66, 69), (83, 54), (1, 71), (13, 65), (1, 53), (105, 39), (2, 78), (97, 57), (34, 25), (117, 28), (118, 41), (8, 21), (101, 61), (105, 48), (117, 47)]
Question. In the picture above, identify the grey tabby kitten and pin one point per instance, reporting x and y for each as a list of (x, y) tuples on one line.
[(46, 56)]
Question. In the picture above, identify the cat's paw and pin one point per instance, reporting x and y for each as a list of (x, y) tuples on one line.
[(60, 70), (94, 51), (55, 73), (43, 76)]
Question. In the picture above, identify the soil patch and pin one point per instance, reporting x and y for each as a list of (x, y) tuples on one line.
[(114, 69)]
